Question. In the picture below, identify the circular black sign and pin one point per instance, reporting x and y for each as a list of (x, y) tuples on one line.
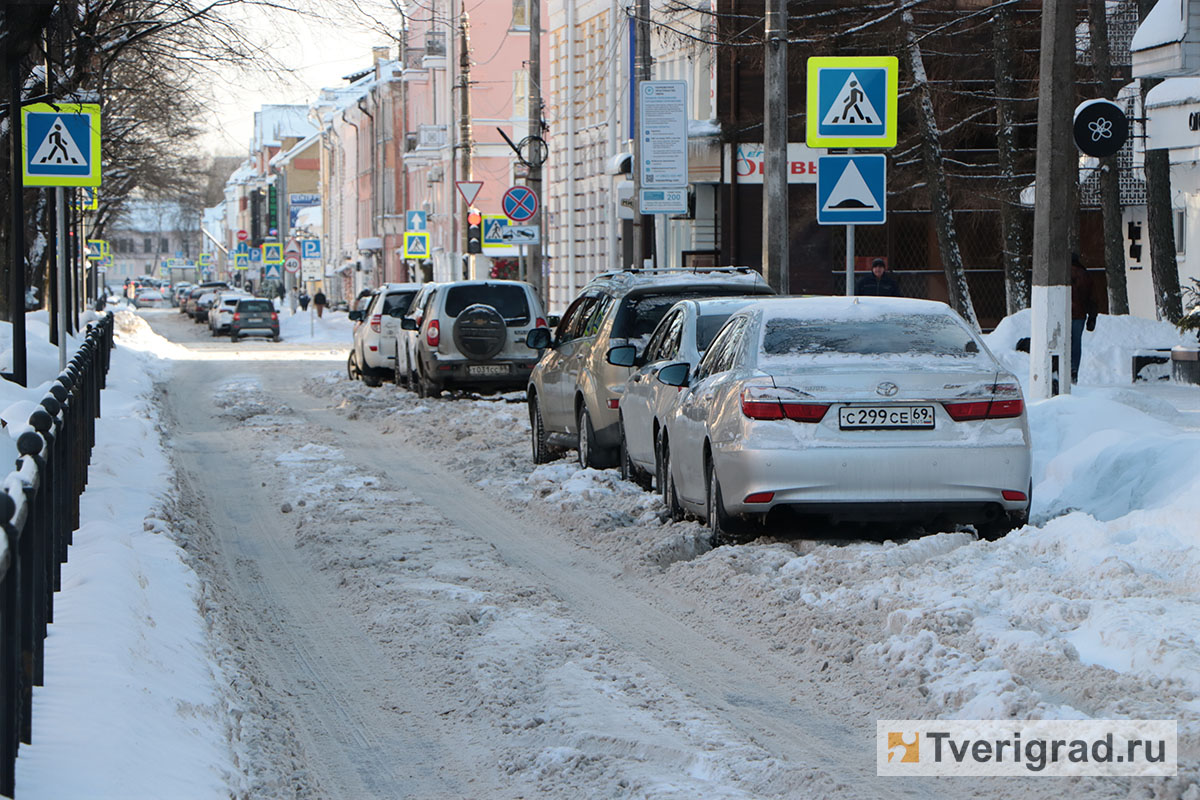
[(1101, 128)]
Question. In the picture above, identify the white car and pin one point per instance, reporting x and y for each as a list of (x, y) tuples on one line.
[(859, 409), (220, 314), (682, 335), (150, 298), (373, 352)]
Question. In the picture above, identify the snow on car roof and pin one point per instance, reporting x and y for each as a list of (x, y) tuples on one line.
[(852, 308)]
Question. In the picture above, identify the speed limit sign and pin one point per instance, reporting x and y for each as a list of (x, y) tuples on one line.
[(292, 264)]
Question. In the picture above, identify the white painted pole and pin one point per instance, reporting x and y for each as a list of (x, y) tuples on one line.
[(60, 205)]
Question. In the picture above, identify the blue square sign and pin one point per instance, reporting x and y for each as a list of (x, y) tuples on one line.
[(852, 190), (852, 101)]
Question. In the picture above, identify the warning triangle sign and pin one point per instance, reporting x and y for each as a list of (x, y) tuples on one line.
[(851, 106), (58, 147), (851, 192)]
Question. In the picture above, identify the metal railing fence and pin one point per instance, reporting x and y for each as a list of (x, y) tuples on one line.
[(39, 510)]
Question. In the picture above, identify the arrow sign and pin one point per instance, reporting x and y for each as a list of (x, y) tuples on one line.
[(419, 220), (468, 190)]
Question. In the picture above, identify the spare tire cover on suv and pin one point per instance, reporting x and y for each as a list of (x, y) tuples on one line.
[(480, 332)]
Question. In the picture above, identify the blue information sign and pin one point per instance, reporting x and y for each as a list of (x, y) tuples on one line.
[(852, 190)]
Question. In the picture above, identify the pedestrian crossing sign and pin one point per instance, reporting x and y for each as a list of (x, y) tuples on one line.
[(272, 253), (60, 144), (493, 231), (241, 260), (852, 101), (416, 244)]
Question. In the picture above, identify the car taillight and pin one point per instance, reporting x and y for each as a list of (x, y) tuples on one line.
[(375, 326), (760, 497), (1013, 494), (274, 316), (770, 403), (541, 323), (1006, 403), (433, 334), (236, 316)]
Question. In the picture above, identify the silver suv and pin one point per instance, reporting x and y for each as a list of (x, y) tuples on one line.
[(373, 355), (574, 392), (472, 334)]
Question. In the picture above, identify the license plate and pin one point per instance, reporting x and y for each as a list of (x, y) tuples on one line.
[(885, 417), (487, 369)]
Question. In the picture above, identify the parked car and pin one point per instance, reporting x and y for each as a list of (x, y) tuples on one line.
[(190, 304), (178, 292), (574, 392), (409, 334), (204, 303), (682, 335), (373, 352), (472, 334), (854, 409), (220, 315), (150, 298), (254, 316)]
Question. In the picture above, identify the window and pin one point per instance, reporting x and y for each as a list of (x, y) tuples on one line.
[(894, 334), (397, 303), (164, 245), (508, 299), (520, 17), (672, 336), (572, 320), (520, 94), (596, 318), (1180, 218), (712, 359), (148, 245)]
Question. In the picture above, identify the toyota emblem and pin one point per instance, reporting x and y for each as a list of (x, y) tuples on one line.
[(887, 389)]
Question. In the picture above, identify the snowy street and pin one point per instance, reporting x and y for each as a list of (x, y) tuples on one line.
[(390, 601)]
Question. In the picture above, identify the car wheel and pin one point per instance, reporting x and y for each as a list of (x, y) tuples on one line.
[(233, 337), (277, 338), (537, 434), (589, 455), (722, 527), (426, 387), (352, 366), (667, 481)]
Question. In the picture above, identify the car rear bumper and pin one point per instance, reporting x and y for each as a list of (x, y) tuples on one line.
[(863, 483), (460, 372), (258, 330)]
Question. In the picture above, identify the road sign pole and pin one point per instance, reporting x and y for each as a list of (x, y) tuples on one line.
[(850, 250), (61, 288), (16, 240)]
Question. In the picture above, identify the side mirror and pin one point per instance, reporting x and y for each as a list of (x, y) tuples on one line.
[(408, 324), (675, 374), (623, 355), (355, 316), (538, 339), (553, 320)]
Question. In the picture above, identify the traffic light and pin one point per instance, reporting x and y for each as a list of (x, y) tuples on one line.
[(474, 232)]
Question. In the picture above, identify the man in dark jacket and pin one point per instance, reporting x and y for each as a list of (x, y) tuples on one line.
[(319, 302), (879, 283)]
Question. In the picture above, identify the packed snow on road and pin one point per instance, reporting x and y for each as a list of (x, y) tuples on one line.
[(289, 585)]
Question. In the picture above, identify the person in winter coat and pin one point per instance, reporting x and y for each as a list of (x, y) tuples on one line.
[(879, 283), (304, 298), (319, 302)]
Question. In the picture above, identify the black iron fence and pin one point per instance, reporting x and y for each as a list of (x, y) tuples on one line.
[(39, 507)]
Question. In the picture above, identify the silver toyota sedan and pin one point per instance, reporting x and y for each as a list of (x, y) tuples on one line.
[(854, 409)]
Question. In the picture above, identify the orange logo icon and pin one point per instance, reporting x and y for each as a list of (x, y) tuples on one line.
[(909, 749)]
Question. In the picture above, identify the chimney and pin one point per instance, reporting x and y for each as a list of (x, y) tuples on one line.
[(379, 54)]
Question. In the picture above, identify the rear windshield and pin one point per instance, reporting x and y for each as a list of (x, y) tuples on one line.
[(255, 305), (396, 305), (640, 314), (901, 334), (507, 299)]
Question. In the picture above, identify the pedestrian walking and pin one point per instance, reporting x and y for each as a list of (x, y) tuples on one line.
[(319, 302), (304, 298), (879, 283), (1083, 310)]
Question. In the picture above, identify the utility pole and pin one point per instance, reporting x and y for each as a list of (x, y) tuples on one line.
[(1050, 340), (464, 124), (643, 224), (402, 145), (533, 271), (775, 142)]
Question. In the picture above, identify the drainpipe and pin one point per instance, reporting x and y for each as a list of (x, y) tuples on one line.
[(374, 214), (570, 106)]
